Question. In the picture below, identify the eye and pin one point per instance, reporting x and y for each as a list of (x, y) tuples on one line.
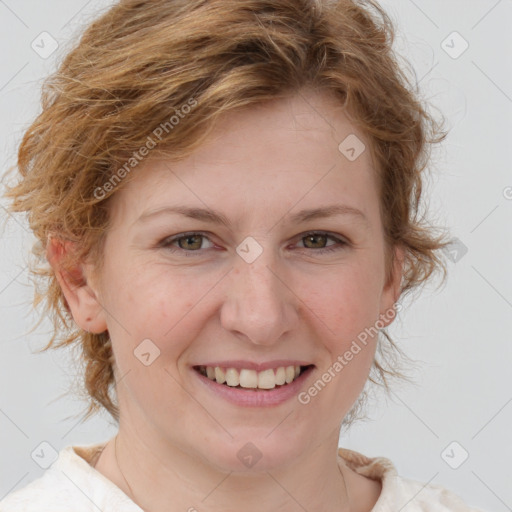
[(317, 239), (187, 243), (190, 243)]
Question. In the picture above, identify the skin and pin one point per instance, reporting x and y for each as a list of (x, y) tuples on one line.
[(178, 442)]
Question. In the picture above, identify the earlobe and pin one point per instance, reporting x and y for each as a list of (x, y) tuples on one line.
[(75, 282), (392, 288), (398, 272)]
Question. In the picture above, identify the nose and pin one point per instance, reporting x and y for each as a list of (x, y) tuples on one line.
[(260, 305)]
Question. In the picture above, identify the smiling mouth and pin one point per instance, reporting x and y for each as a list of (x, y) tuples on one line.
[(251, 379)]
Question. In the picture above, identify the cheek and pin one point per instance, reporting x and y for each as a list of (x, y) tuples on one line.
[(153, 320), (346, 310), (154, 303), (346, 300), (345, 307)]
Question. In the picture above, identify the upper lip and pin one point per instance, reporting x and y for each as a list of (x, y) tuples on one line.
[(259, 367)]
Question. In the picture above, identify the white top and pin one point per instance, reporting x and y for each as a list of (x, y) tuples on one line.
[(72, 484)]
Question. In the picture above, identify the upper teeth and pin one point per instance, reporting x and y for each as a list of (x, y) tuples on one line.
[(267, 379)]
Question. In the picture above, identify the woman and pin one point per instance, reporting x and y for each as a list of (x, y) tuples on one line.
[(226, 194)]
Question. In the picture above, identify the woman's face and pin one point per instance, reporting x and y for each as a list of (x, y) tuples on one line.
[(249, 288)]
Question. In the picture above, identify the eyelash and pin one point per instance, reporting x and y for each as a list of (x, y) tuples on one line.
[(166, 243)]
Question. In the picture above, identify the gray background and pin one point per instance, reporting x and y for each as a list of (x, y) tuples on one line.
[(460, 332)]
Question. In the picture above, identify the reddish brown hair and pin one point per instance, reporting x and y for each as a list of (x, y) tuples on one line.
[(141, 61)]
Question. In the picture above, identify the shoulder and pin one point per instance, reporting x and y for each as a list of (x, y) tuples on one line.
[(404, 494), (54, 489), (69, 483), (426, 497)]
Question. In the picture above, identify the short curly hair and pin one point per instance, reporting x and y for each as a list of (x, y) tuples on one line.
[(142, 61)]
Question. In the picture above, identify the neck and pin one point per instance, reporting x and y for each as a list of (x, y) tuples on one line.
[(153, 475)]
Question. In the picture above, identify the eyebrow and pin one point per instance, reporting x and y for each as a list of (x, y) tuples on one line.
[(215, 217)]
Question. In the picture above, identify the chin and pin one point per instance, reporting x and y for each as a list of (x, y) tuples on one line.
[(253, 452)]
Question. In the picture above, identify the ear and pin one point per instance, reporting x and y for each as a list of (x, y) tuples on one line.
[(76, 285), (391, 290)]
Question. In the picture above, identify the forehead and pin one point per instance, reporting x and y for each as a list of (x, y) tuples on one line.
[(267, 158)]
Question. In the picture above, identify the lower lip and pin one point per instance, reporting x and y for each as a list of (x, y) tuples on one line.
[(250, 398)]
